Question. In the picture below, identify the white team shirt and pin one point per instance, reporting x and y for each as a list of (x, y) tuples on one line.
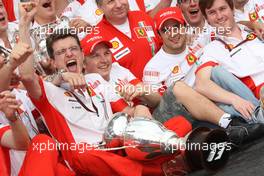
[(90, 12), (12, 34), (83, 125), (71, 10), (166, 69), (253, 11), (25, 112), (120, 76), (244, 60)]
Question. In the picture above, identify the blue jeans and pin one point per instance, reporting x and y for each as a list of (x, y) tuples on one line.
[(229, 82)]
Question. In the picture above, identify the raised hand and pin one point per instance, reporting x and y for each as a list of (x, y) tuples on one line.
[(27, 11), (19, 54)]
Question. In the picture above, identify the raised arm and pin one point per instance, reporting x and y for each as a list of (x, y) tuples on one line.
[(255, 26), (18, 55), (26, 70)]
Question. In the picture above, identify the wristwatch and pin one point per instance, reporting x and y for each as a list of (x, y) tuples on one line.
[(58, 74)]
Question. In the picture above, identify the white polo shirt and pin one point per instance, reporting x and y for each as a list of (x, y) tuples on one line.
[(79, 118), (120, 76), (166, 69), (246, 60), (253, 11), (71, 10)]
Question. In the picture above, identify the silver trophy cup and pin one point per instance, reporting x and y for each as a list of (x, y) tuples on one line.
[(146, 139)]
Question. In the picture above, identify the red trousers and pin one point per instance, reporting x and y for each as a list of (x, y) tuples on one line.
[(92, 162)]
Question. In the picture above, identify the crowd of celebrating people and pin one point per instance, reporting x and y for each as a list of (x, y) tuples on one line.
[(68, 66)]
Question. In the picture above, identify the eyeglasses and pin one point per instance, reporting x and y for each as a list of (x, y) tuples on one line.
[(72, 49), (187, 1)]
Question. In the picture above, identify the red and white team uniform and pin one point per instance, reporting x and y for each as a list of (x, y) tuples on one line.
[(243, 58), (120, 76), (165, 69), (71, 122), (80, 122), (71, 11), (12, 34), (4, 157), (134, 43), (90, 12), (28, 114), (11, 7), (253, 11)]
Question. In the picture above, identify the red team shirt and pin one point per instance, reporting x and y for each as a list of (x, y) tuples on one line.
[(68, 120), (133, 53)]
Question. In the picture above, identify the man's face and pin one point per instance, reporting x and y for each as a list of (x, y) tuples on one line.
[(173, 36), (46, 9), (68, 55), (191, 12), (99, 61), (220, 15), (3, 18), (115, 9)]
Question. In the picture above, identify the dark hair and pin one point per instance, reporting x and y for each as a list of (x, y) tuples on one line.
[(59, 34), (98, 2), (207, 4)]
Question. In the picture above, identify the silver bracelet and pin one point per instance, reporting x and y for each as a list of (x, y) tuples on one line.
[(58, 74)]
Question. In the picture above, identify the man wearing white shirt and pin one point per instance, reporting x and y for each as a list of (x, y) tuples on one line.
[(90, 12), (174, 64), (249, 10), (232, 49), (251, 14)]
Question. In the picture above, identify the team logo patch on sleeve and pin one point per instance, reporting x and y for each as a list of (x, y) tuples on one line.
[(253, 16), (191, 59), (251, 36)]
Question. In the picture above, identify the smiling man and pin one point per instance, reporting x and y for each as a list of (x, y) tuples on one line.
[(238, 52), (131, 32)]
